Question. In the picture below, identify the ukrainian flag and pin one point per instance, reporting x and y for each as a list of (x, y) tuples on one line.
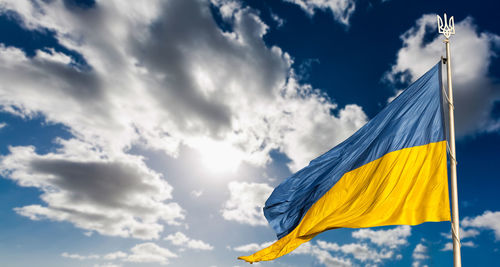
[(392, 171)]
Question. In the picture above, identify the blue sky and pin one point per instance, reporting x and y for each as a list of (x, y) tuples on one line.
[(151, 134)]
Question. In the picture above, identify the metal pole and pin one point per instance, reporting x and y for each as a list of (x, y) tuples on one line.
[(453, 166), (448, 29)]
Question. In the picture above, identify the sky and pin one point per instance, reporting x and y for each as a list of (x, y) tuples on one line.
[(150, 133)]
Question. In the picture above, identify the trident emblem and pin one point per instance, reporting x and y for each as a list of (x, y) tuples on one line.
[(448, 28)]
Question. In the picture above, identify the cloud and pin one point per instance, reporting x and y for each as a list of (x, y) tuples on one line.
[(279, 21), (449, 246), (464, 233), (196, 193), (342, 10), (315, 117), (140, 253), (115, 255), (468, 244), (364, 253), (245, 203), (252, 247), (488, 220), (323, 256), (2, 125), (180, 239), (418, 264), (472, 53), (390, 238), (420, 252), (79, 257), (150, 253), (116, 197), (227, 8), (398, 92), (360, 252), (419, 255), (107, 265)]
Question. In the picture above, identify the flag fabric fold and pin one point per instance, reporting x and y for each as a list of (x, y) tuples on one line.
[(392, 171)]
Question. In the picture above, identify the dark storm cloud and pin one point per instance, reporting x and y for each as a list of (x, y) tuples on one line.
[(103, 183), (186, 37), (120, 197), (80, 85)]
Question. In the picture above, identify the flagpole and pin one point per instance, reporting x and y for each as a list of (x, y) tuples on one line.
[(447, 29)]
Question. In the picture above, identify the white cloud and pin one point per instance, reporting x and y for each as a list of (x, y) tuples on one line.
[(390, 238), (227, 8), (140, 253), (418, 264), (315, 117), (449, 246), (2, 125), (359, 251), (472, 52), (245, 203), (420, 252), (107, 265), (468, 244), (323, 256), (196, 193), (80, 257), (252, 247), (150, 253), (464, 233), (88, 233), (115, 255), (398, 92), (279, 21), (180, 239), (117, 197), (488, 220), (341, 9)]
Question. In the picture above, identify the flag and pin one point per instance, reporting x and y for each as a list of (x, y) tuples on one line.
[(392, 171)]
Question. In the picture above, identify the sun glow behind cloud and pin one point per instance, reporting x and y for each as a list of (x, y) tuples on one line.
[(218, 156)]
